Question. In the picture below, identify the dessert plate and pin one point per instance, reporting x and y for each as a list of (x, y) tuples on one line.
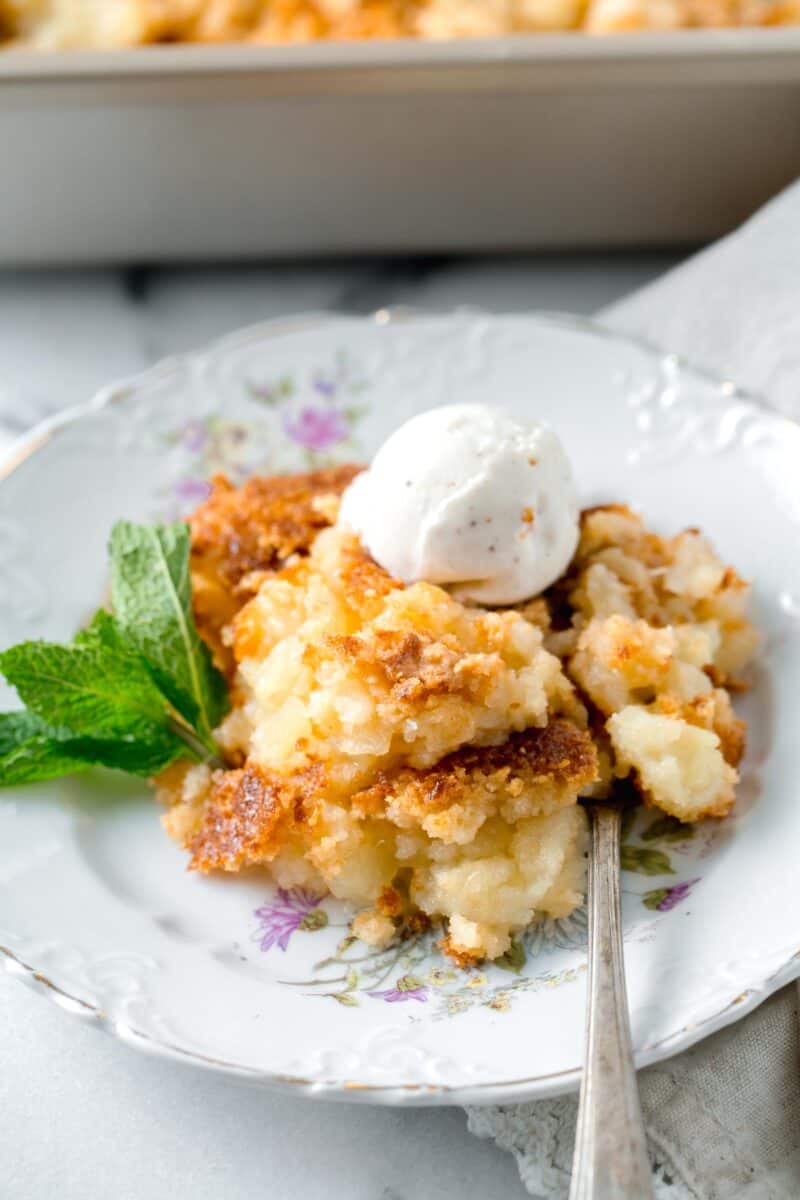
[(96, 907)]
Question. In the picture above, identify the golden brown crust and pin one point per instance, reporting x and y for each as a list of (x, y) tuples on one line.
[(412, 668), (560, 756), (247, 818), (703, 712), (360, 577), (465, 960), (240, 822), (250, 813), (390, 903), (354, 631), (119, 23), (141, 22), (361, 586), (425, 758), (240, 535), (260, 525), (658, 630), (622, 569)]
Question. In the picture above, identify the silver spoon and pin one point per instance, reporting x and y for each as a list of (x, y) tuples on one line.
[(610, 1160)]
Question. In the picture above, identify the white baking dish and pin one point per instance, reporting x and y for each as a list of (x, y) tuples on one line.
[(545, 141)]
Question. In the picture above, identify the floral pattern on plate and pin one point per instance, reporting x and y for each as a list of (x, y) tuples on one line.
[(301, 422), (416, 970)]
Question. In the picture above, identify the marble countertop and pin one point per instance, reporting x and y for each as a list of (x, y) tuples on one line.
[(85, 1118), (64, 334)]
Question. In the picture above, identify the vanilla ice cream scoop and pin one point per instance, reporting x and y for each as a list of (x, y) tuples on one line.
[(470, 497)]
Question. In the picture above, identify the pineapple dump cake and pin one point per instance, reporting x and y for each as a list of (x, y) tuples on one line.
[(418, 755), (111, 24)]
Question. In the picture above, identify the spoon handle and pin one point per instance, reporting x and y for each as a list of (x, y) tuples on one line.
[(610, 1160)]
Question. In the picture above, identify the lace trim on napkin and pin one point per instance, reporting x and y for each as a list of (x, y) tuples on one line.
[(541, 1137)]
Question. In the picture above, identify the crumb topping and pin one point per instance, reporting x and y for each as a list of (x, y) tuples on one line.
[(424, 759)]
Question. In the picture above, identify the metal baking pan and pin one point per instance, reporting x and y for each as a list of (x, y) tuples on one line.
[(529, 142)]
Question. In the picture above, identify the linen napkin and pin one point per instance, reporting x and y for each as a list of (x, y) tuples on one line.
[(723, 1119)]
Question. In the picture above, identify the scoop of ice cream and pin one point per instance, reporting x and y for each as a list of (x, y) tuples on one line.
[(470, 497)]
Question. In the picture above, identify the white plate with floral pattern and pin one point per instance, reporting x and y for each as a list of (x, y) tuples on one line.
[(96, 906)]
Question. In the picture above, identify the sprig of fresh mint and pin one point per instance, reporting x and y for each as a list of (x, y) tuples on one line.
[(32, 751), (135, 691), (151, 594), (29, 749)]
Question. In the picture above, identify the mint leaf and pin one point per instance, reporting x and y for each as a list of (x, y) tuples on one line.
[(95, 688), (32, 751), (151, 597), (132, 755), (102, 631), (16, 728), (45, 758), (133, 692), (36, 761)]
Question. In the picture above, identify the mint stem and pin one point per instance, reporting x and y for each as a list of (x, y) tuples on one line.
[(203, 748)]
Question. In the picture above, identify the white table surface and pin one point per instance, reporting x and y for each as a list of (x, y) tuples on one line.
[(85, 1118)]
